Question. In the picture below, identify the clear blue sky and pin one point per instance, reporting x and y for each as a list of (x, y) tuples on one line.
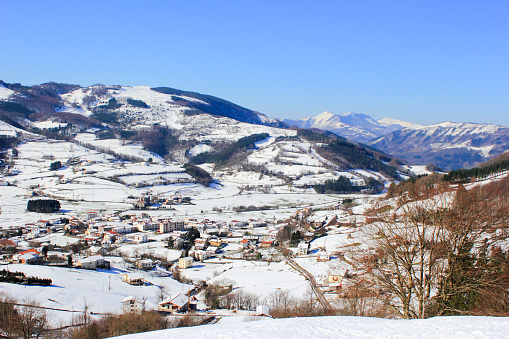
[(420, 61)]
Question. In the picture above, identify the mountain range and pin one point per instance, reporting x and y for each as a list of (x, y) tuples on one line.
[(116, 111), (448, 145)]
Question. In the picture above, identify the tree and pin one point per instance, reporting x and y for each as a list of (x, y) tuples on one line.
[(295, 238), (192, 234), (430, 255), (31, 321), (170, 242)]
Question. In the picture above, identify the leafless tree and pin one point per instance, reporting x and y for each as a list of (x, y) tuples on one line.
[(31, 321), (419, 247)]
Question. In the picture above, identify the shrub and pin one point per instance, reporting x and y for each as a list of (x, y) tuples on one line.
[(55, 165)]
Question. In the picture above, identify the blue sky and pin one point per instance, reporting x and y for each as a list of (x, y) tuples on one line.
[(419, 61)]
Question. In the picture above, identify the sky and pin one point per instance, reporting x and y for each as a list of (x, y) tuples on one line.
[(419, 61)]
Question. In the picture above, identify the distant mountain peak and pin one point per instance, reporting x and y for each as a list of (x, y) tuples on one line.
[(351, 125)]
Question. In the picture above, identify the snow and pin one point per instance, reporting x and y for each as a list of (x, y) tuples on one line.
[(5, 93), (405, 124), (48, 124), (260, 278), (344, 327), (102, 290), (200, 148)]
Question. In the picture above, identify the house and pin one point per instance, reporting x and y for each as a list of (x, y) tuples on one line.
[(323, 256), (145, 264), (131, 304), (201, 255), (185, 262), (26, 257), (180, 303), (133, 278), (7, 244), (91, 215), (96, 250), (266, 243), (303, 248), (254, 224), (93, 262), (139, 238), (86, 263), (215, 242)]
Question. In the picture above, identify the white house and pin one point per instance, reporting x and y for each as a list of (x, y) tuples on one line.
[(185, 262)]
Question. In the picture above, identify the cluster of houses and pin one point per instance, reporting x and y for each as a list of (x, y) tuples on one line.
[(153, 202)]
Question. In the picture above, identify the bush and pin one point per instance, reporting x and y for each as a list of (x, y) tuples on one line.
[(55, 165)]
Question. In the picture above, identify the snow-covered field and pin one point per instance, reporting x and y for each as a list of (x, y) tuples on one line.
[(344, 327), (101, 290)]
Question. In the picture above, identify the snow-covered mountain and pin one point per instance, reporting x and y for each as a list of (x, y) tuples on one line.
[(354, 126), (449, 145)]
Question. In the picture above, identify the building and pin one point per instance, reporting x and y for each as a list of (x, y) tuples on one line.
[(131, 304), (180, 303), (303, 248), (145, 264), (266, 243), (30, 256), (201, 255), (139, 238), (185, 262), (323, 256), (133, 278), (93, 262)]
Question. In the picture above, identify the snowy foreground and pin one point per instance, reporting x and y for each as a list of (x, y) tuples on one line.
[(344, 327)]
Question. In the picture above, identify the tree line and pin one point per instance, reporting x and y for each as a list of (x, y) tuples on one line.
[(21, 278), (344, 185), (477, 172), (43, 205)]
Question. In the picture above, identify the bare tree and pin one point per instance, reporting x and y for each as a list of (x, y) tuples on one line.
[(419, 248), (31, 321)]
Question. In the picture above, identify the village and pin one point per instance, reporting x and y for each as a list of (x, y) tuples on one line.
[(143, 246)]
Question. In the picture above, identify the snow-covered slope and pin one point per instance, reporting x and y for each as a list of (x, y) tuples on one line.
[(5, 93), (166, 110), (354, 126), (449, 145), (397, 123), (344, 327)]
